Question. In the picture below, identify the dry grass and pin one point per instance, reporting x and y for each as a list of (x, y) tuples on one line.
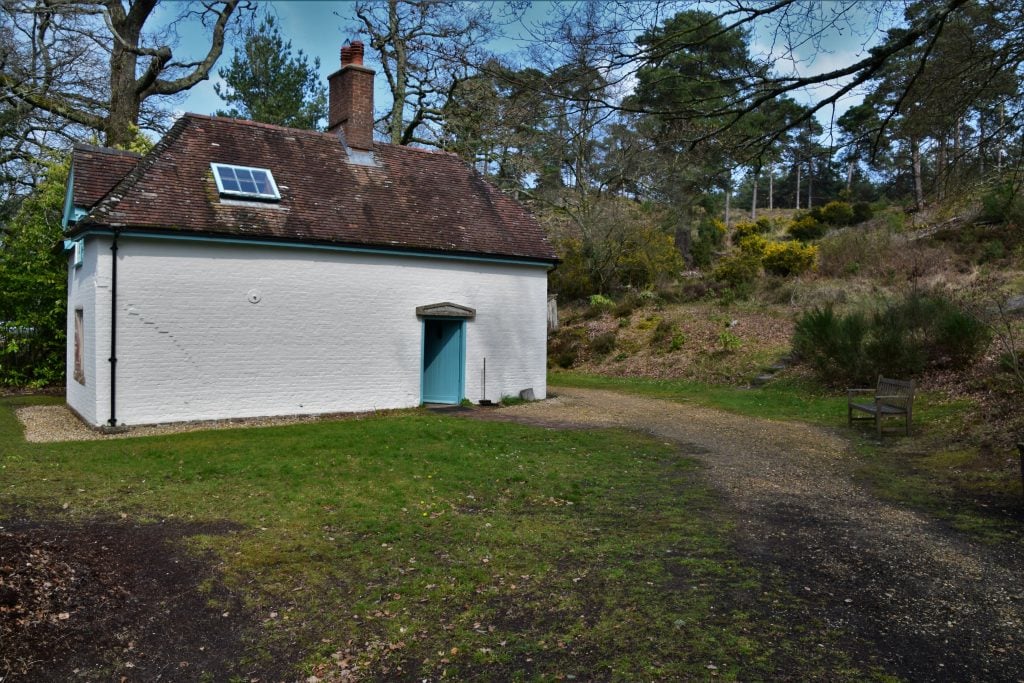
[(700, 341)]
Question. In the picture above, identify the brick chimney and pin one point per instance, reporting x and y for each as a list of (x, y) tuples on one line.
[(351, 98)]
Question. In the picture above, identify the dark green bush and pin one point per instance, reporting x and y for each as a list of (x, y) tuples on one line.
[(902, 339), (572, 279), (1003, 204), (626, 305), (837, 213), (603, 344), (862, 212), (710, 238), (895, 348), (960, 338), (832, 344), (663, 331), (564, 347), (806, 227)]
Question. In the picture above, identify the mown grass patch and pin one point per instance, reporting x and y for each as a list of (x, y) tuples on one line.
[(782, 399), (422, 546), (979, 493)]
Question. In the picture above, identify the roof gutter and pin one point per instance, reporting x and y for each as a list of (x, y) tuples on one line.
[(99, 229)]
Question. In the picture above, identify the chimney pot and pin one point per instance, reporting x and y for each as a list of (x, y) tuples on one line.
[(357, 52), (346, 55)]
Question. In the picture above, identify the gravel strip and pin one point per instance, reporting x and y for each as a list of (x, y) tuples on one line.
[(919, 599), (48, 424)]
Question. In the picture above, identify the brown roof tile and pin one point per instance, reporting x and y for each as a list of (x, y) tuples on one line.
[(97, 171), (413, 199)]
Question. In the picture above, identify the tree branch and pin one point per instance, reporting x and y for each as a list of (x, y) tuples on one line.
[(202, 71)]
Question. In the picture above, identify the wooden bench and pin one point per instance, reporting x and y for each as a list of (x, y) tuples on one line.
[(892, 398)]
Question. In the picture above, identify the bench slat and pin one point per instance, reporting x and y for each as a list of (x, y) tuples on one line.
[(892, 397)]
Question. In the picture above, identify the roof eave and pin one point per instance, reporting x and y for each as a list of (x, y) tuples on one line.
[(86, 225)]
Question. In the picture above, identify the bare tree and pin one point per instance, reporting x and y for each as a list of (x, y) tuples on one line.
[(425, 47), (101, 64)]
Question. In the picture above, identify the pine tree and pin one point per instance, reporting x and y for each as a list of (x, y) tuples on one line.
[(266, 83)]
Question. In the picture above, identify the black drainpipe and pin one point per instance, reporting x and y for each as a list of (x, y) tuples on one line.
[(113, 332)]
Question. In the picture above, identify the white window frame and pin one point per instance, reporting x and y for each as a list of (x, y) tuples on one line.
[(215, 167)]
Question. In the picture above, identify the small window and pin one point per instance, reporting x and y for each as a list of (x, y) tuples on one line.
[(242, 181), (79, 346)]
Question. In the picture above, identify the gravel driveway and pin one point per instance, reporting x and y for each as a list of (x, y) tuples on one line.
[(918, 600)]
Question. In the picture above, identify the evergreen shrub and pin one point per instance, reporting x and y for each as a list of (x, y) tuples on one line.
[(603, 344), (837, 213), (1003, 204), (902, 339), (738, 271), (743, 229), (806, 227), (710, 238), (663, 331), (754, 245), (862, 212), (788, 258)]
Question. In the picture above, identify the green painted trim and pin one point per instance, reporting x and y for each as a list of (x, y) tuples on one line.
[(78, 248), (462, 362), (423, 354), (321, 247), (69, 209)]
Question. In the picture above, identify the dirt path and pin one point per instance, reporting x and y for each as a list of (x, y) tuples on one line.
[(919, 600)]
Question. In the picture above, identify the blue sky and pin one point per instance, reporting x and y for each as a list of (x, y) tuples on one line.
[(314, 27), (320, 27)]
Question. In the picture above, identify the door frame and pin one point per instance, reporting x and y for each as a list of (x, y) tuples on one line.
[(462, 352)]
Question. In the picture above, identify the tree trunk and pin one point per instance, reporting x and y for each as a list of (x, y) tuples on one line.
[(125, 98), (957, 146), (999, 132), (798, 167), (753, 202), (728, 196), (771, 186), (981, 145), (810, 184), (849, 177), (915, 156), (684, 243), (940, 171)]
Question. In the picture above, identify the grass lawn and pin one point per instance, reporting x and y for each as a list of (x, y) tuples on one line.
[(413, 545), (782, 399)]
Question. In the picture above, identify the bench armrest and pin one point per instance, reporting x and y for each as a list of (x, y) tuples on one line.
[(851, 392)]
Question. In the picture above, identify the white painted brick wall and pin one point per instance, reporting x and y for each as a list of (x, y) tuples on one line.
[(333, 331), (82, 283)]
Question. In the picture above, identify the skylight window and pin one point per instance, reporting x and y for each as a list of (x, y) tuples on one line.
[(243, 181)]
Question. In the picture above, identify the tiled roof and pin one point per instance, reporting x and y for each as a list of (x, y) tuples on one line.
[(97, 171), (412, 199)]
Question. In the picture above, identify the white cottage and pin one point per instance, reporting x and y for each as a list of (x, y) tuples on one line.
[(241, 269)]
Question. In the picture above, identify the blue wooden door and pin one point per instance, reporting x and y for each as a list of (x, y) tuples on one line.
[(442, 361)]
